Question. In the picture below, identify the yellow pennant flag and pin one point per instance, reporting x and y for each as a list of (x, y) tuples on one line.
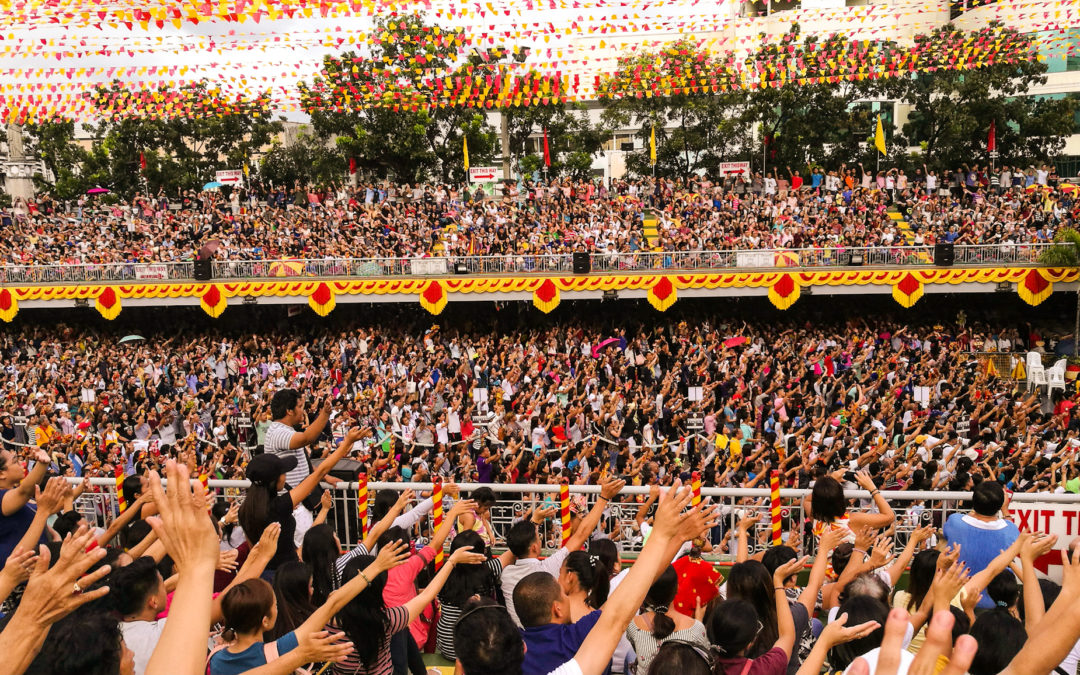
[(879, 137), (246, 170), (465, 142), (652, 146)]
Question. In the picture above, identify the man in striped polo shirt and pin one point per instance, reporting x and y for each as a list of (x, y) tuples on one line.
[(282, 439)]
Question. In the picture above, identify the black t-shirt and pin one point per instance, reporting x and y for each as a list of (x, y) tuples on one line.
[(281, 511)]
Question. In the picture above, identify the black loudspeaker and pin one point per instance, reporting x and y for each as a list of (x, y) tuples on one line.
[(944, 255), (345, 469), (204, 270), (582, 264), (344, 518)]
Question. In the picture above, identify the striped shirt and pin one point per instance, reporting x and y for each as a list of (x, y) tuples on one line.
[(449, 614), (397, 619), (647, 646), (277, 441)]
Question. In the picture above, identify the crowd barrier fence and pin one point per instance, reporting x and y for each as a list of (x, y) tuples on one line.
[(913, 509), (613, 262)]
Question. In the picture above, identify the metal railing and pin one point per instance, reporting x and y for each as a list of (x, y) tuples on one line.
[(604, 262), (913, 510)]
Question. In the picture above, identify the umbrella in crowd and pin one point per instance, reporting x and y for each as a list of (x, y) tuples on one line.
[(131, 338), (97, 190), (287, 268), (209, 249), (212, 185)]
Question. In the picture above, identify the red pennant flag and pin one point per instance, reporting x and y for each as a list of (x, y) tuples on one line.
[(991, 139), (352, 165), (142, 161), (547, 153)]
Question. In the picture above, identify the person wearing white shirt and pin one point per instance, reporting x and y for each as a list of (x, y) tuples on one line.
[(523, 540)]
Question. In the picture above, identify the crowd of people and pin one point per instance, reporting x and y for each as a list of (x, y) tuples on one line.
[(178, 596), (503, 400), (261, 581), (823, 209)]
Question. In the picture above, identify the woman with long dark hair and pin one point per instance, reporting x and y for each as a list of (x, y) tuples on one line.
[(660, 621), (923, 567), (264, 505), (466, 582), (369, 623), (586, 581), (829, 507), (751, 582), (292, 590), (322, 550)]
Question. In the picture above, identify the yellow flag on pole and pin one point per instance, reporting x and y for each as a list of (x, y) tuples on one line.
[(652, 146), (879, 137), (465, 143)]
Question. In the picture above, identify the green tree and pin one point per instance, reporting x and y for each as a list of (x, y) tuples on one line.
[(55, 145), (807, 113), (309, 160), (952, 109), (573, 141), (1066, 253), (384, 109), (183, 151), (689, 96)]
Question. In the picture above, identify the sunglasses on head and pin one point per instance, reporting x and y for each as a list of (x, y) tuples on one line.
[(706, 654)]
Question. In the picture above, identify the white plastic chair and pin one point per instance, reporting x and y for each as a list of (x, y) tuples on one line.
[(1055, 377), (1033, 359), (1036, 376)]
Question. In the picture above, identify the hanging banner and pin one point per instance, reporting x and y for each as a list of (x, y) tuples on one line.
[(152, 272), (1049, 518)]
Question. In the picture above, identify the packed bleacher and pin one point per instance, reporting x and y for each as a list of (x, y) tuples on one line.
[(822, 209)]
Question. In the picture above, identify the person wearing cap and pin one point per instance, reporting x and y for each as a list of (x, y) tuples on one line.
[(265, 502)]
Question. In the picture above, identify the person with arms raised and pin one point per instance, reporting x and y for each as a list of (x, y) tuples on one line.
[(523, 540)]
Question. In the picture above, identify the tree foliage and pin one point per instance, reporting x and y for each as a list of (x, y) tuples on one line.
[(400, 136), (687, 94), (952, 109), (180, 153)]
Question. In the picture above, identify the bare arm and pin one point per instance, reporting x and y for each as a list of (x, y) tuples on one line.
[(595, 652), (313, 431), (608, 489)]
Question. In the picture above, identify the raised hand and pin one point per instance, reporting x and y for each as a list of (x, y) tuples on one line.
[(52, 594), (183, 526), (465, 556), (837, 632), (52, 498), (669, 513), (390, 556), (321, 647), (610, 487), (745, 524), (267, 545), (20, 565), (787, 569)]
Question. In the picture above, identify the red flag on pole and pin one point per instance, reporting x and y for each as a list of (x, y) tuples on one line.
[(142, 161), (352, 165), (991, 139), (547, 153)]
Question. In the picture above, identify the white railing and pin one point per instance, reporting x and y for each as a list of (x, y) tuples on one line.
[(99, 507), (637, 261)]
